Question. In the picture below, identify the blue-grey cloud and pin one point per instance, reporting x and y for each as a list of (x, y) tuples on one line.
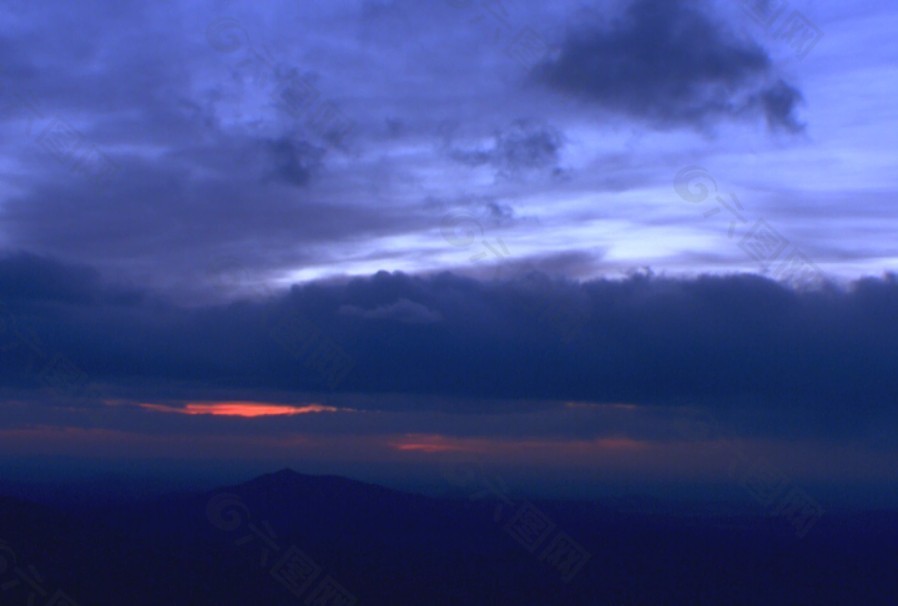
[(739, 342), (671, 62), (523, 147), (402, 310)]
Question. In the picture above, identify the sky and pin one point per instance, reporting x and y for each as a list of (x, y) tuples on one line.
[(618, 242)]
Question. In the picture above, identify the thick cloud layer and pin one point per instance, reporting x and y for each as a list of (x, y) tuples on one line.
[(740, 342)]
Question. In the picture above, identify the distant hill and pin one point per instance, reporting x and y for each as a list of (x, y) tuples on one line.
[(289, 538)]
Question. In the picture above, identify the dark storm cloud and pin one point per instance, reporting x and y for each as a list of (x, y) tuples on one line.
[(671, 62), (826, 357)]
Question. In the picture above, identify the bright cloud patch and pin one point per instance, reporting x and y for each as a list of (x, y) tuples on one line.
[(240, 409)]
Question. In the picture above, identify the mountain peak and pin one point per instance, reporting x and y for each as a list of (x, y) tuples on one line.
[(286, 472), (289, 482)]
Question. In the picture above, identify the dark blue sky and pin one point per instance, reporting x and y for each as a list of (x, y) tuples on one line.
[(598, 237)]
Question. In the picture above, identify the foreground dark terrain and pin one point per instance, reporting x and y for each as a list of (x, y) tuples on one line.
[(288, 538)]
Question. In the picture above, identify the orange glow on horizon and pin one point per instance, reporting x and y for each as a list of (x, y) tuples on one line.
[(432, 444), (436, 443), (240, 409)]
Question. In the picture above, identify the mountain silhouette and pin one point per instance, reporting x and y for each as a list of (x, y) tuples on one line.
[(290, 538)]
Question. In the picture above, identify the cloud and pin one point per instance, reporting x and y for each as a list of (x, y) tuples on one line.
[(295, 161), (212, 169), (670, 63), (28, 277), (522, 147), (403, 310), (736, 342)]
